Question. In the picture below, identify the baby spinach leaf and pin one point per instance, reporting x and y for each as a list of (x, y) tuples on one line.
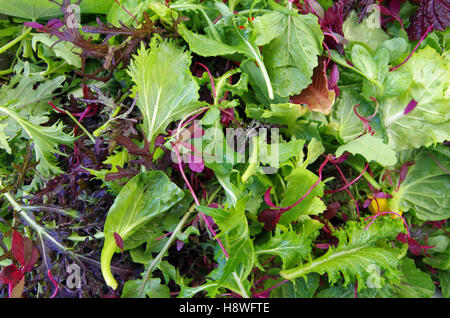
[(145, 197), (414, 283)]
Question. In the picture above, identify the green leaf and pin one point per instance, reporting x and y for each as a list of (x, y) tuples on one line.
[(46, 141), (444, 283), (41, 9), (166, 89), (315, 149), (153, 289), (369, 31), (363, 61), (291, 57), (414, 283), (145, 197), (64, 50), (371, 148), (299, 181), (289, 246), (204, 45), (4, 139), (425, 190), (302, 287), (429, 121), (356, 254), (234, 270)]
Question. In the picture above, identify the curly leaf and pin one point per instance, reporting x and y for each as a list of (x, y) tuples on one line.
[(166, 89), (356, 253), (46, 141)]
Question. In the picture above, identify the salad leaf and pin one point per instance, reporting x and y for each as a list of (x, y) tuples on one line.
[(357, 250), (166, 89), (425, 189), (429, 74), (371, 148), (292, 56), (414, 283), (40, 9), (145, 197)]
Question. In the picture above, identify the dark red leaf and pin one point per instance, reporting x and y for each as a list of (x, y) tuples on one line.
[(434, 13), (10, 275), (119, 240), (270, 218), (24, 251), (17, 247)]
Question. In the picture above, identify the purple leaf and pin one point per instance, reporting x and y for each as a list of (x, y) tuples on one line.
[(411, 105), (34, 25), (434, 13), (196, 163), (270, 218), (119, 240)]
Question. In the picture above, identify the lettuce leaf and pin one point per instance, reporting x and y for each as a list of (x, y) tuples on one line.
[(165, 87), (428, 122)]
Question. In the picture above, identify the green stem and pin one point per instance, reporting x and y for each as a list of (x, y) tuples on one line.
[(81, 126), (6, 72), (366, 175), (39, 229), (8, 45), (164, 249), (253, 161)]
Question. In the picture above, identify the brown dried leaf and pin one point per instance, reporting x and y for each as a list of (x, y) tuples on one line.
[(317, 95)]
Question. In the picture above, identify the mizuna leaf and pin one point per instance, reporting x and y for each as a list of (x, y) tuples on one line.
[(166, 89), (143, 198), (371, 148), (356, 253), (46, 141), (317, 95)]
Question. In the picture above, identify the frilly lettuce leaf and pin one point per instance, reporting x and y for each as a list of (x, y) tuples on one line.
[(166, 89)]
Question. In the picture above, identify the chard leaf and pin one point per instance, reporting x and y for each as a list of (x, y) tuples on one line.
[(166, 89), (425, 190), (371, 148), (356, 254), (429, 121), (145, 197)]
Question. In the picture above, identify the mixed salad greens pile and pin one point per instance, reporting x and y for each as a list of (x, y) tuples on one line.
[(240, 148)]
